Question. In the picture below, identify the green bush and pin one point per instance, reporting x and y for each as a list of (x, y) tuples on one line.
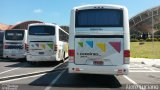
[(141, 40), (155, 39), (148, 39), (134, 40)]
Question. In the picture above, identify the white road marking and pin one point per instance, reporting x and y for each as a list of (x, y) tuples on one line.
[(9, 70), (139, 68), (21, 78), (129, 79), (27, 73), (137, 65), (149, 69), (54, 81), (144, 71)]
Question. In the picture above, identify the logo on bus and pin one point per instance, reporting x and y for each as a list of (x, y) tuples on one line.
[(102, 46)]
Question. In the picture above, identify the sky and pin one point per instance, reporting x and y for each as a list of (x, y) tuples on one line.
[(58, 11)]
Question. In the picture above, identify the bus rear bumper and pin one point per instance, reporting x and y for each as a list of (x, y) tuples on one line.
[(108, 70), (14, 56), (40, 58)]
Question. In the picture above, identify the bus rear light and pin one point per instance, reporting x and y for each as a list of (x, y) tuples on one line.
[(71, 52), (120, 70), (5, 46), (26, 47), (55, 47), (126, 60), (71, 56), (126, 57), (77, 69), (71, 59), (126, 53)]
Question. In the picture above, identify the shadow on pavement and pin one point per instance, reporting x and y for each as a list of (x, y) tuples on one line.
[(34, 65), (77, 80), (45, 80), (24, 64), (12, 60)]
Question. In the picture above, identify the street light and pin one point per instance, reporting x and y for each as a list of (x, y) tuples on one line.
[(152, 31)]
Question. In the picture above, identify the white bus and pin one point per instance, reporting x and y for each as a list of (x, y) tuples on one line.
[(99, 41), (46, 42), (14, 43)]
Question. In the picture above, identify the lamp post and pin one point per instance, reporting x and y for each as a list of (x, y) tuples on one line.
[(152, 33)]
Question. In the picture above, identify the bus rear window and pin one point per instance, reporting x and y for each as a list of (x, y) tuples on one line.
[(14, 35), (41, 30), (99, 18)]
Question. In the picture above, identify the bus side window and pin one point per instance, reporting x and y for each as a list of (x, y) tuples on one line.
[(63, 36)]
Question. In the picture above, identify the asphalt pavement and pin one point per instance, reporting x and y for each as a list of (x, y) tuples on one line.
[(20, 75)]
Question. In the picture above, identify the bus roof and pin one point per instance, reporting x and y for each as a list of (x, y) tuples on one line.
[(16, 29), (98, 6), (47, 24)]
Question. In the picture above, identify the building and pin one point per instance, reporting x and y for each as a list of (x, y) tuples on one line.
[(4, 26), (142, 22), (22, 25)]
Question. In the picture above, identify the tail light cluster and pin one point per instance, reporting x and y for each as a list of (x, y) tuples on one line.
[(71, 55), (71, 52), (26, 47), (126, 53), (126, 56), (5, 46), (55, 47)]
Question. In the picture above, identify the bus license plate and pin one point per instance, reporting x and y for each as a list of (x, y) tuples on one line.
[(41, 52), (98, 62)]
